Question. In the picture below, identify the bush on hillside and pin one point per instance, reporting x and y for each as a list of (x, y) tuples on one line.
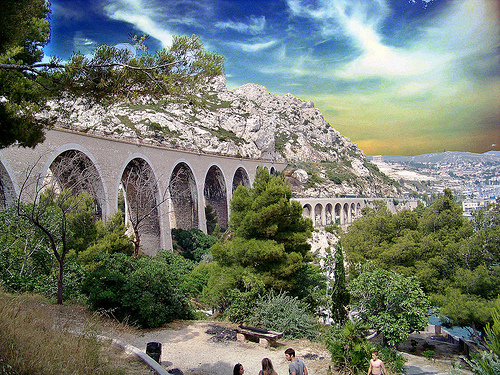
[(351, 351), (283, 313), (192, 243), (243, 298), (145, 291)]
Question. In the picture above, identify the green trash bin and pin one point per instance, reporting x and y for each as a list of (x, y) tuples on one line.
[(153, 349)]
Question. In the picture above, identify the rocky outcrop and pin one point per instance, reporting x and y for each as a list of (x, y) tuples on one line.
[(246, 122)]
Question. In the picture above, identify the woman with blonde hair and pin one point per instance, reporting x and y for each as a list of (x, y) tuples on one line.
[(267, 367)]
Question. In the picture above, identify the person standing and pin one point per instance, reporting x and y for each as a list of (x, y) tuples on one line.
[(376, 365), (296, 366), (267, 367)]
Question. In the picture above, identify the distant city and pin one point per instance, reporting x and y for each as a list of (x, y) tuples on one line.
[(473, 178)]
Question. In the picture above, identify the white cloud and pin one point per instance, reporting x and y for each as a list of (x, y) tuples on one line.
[(252, 47), (83, 44), (255, 25), (142, 17), (283, 65), (465, 28)]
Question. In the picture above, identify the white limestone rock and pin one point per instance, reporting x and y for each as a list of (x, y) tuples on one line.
[(300, 175), (247, 121)]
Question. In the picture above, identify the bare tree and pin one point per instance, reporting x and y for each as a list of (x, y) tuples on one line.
[(142, 201), (52, 201)]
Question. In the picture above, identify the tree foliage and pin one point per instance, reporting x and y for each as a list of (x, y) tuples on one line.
[(283, 313), (390, 303), (144, 290), (192, 243), (26, 260), (456, 261), (61, 218), (24, 31), (487, 362), (338, 295), (269, 234), (109, 238), (110, 74)]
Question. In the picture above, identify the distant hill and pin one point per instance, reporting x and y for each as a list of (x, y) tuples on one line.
[(448, 158)]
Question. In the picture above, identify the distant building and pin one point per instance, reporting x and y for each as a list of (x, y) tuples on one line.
[(378, 158), (471, 205)]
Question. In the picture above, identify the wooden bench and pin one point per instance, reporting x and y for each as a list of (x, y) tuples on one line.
[(255, 334)]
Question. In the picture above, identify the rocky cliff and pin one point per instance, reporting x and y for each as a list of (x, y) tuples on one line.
[(245, 122)]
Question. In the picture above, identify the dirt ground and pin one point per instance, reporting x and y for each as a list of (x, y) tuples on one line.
[(186, 345), (445, 354), (211, 348)]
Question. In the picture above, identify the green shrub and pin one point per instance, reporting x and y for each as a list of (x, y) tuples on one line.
[(146, 291), (243, 299), (350, 351), (197, 279), (193, 243), (394, 361), (283, 313), (428, 354)]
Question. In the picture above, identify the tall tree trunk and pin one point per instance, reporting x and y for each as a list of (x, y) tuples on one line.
[(60, 282)]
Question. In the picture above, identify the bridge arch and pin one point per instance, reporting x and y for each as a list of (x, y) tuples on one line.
[(352, 213), (345, 213), (329, 214), (74, 169), (318, 215), (215, 193), (183, 197), (9, 190), (73, 155), (142, 197), (338, 214), (307, 211), (241, 178)]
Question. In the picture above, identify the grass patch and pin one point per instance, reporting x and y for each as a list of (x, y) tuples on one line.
[(213, 103), (225, 135), (128, 123), (283, 138), (38, 337)]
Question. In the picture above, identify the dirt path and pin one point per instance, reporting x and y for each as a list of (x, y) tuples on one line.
[(187, 345)]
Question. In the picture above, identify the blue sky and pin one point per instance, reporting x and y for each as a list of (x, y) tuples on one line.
[(395, 76)]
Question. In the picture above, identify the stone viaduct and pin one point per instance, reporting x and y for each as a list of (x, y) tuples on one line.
[(340, 210), (328, 211), (178, 186), (172, 186)]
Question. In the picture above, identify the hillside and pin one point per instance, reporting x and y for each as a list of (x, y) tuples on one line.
[(245, 122), (452, 159)]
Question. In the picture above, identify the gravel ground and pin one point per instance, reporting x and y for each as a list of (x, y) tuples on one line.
[(212, 348), (207, 348)]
